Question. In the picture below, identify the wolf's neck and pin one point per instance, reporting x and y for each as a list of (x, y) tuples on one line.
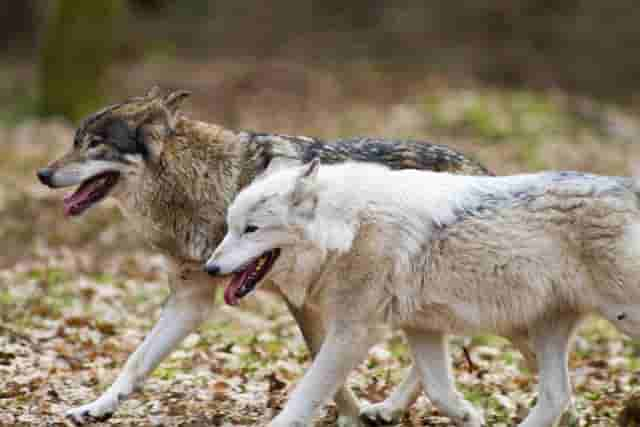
[(181, 201)]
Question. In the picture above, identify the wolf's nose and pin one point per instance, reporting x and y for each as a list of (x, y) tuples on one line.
[(212, 269), (44, 175)]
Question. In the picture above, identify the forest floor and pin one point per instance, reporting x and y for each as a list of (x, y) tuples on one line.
[(77, 296)]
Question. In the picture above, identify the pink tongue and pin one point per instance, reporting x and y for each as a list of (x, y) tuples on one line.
[(236, 282), (76, 198)]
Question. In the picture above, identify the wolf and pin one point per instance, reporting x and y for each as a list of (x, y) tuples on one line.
[(174, 178), (526, 256)]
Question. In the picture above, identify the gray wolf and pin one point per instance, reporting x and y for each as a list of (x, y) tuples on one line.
[(174, 178), (524, 256)]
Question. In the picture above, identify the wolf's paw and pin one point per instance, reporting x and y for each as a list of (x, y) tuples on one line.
[(380, 414), (100, 410)]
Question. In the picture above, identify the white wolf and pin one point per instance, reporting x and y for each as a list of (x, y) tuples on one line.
[(525, 256)]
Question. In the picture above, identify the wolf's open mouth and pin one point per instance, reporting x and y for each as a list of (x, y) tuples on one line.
[(244, 281), (89, 193)]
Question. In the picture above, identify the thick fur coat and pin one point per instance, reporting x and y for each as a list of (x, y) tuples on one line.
[(526, 257)]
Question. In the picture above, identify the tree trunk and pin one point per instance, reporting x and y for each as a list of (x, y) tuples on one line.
[(78, 45)]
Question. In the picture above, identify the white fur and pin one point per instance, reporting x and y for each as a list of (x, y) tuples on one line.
[(524, 256)]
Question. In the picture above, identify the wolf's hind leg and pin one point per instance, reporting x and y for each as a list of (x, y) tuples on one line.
[(313, 332), (393, 407), (551, 343), (431, 356), (187, 307)]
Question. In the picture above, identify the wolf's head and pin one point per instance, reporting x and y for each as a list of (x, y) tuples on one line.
[(271, 215), (112, 147)]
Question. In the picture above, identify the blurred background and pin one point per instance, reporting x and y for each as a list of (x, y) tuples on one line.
[(522, 85), (225, 48)]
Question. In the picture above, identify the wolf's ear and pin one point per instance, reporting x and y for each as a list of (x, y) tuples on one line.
[(174, 99), (303, 196), (167, 109), (153, 92), (160, 120)]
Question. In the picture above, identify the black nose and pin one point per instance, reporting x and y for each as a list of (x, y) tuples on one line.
[(212, 269), (44, 175)]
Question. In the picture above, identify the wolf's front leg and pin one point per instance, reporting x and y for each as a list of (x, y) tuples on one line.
[(431, 356), (551, 343), (312, 328), (192, 296), (345, 346)]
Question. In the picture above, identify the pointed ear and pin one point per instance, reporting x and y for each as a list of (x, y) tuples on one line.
[(153, 92), (174, 99), (304, 190), (164, 111)]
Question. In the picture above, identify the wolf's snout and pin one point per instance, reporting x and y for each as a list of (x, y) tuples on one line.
[(45, 175), (212, 269)]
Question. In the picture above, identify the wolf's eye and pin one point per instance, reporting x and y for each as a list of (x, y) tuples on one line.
[(250, 229)]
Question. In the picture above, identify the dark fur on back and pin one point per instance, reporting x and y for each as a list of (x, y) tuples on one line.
[(393, 153)]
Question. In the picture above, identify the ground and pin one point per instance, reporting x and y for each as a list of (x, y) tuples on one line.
[(77, 296)]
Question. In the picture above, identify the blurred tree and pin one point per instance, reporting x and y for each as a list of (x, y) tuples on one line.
[(78, 45), (17, 26), (584, 46)]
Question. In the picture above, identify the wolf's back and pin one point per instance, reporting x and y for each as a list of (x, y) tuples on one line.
[(393, 153), (399, 154)]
